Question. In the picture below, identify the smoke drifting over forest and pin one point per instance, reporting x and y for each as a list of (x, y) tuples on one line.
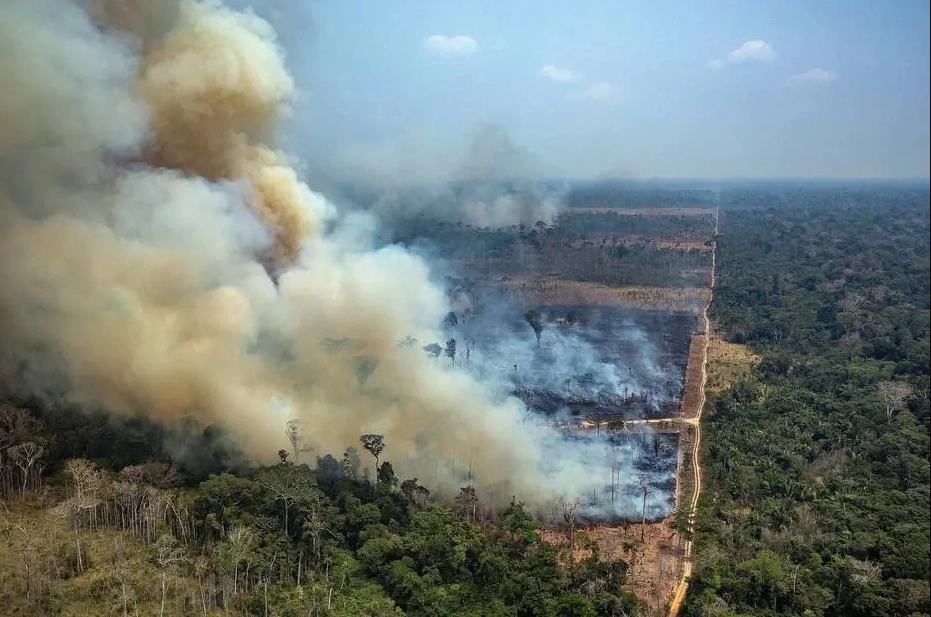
[(492, 182), (143, 203)]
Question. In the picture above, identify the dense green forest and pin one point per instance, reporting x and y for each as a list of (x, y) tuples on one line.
[(128, 532), (816, 497)]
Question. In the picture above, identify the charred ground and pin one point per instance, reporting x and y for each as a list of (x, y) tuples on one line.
[(615, 353)]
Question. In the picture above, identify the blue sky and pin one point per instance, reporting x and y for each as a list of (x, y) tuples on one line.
[(594, 88)]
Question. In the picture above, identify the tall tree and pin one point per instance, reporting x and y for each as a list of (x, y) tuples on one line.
[(451, 350), (535, 319), (895, 395), (292, 431), (433, 350), (645, 489), (375, 444), (24, 456), (168, 556), (467, 502), (289, 485)]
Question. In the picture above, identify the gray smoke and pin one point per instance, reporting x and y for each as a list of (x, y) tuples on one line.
[(490, 182), (144, 198), (604, 363)]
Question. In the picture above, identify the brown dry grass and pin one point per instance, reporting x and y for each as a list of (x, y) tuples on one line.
[(727, 363), (647, 211), (691, 393), (653, 563), (683, 245), (33, 536), (552, 290)]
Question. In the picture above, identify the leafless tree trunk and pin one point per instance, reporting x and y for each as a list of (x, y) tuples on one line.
[(569, 509), (895, 395), (27, 556), (646, 489), (168, 555), (24, 456)]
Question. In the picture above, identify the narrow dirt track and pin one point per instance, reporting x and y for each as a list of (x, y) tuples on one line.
[(679, 596)]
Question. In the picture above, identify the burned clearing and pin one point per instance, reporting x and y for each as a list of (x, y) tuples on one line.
[(596, 372), (588, 321), (589, 363), (643, 487)]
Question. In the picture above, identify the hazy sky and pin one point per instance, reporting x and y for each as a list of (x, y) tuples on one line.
[(660, 88)]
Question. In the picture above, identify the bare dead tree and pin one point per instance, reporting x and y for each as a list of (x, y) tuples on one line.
[(238, 544), (6, 478), (28, 555), (569, 509), (645, 488), (85, 479), (611, 452), (201, 568), (851, 302), (24, 456), (169, 555), (293, 432), (895, 395), (123, 591)]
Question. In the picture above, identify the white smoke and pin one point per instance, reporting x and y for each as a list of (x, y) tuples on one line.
[(490, 182), (142, 202)]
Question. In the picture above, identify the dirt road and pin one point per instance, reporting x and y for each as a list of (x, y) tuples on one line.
[(676, 604)]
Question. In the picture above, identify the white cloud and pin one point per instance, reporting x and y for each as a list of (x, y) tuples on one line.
[(459, 44), (753, 50), (555, 73), (599, 91), (816, 74)]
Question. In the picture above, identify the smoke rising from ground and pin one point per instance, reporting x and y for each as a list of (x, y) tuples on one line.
[(601, 361), (491, 182), (142, 202), (610, 363)]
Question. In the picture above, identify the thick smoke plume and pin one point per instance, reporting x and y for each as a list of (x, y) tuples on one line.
[(143, 203)]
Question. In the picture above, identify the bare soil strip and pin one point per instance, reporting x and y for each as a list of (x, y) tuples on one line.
[(676, 604), (692, 392)]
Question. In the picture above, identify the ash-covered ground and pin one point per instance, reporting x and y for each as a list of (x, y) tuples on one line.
[(647, 461), (588, 363)]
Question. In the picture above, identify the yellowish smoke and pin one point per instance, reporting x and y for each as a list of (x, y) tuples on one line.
[(142, 199)]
